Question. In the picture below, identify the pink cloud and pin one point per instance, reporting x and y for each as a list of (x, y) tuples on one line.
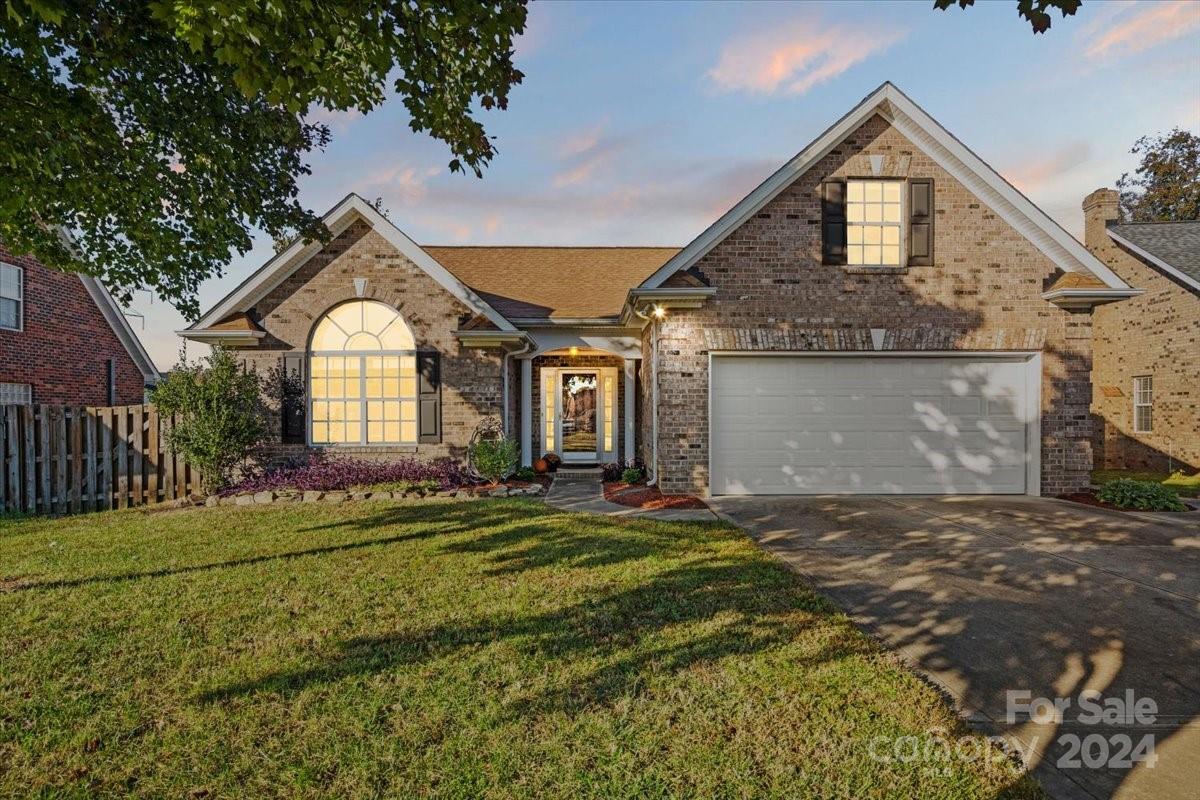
[(797, 57), (1032, 174), (1143, 27), (406, 183)]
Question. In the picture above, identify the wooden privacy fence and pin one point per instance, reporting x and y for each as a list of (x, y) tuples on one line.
[(67, 459)]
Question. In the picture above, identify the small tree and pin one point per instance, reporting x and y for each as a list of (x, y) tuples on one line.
[(494, 459), (218, 414), (1165, 187)]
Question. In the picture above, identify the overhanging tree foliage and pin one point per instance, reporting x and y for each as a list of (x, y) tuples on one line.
[(1035, 11), (1165, 187), (159, 134)]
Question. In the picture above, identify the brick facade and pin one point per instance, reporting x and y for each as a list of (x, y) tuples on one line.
[(471, 384), (1155, 334), (983, 292), (66, 343)]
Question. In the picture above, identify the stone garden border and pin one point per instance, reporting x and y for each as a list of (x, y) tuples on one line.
[(280, 496)]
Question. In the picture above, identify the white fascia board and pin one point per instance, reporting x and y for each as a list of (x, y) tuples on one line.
[(951, 154), (566, 322), (1153, 259), (285, 263), (115, 317)]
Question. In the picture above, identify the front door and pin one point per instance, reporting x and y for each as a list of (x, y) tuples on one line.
[(578, 418), (580, 407)]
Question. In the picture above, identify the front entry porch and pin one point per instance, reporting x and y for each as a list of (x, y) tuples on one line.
[(578, 404)]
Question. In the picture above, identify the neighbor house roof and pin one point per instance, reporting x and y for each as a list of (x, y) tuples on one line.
[(115, 316), (949, 153), (1174, 246), (556, 283)]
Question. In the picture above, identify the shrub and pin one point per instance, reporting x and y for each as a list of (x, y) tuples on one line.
[(1141, 495), (617, 471), (611, 472), (631, 475), (494, 459), (525, 474), (321, 473), (218, 411)]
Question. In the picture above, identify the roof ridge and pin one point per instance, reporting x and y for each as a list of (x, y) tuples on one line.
[(1162, 222)]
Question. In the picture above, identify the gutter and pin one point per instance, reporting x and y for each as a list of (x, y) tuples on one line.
[(1087, 298), (670, 297)]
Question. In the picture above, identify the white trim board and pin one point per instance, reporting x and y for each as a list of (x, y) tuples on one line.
[(950, 154), (1153, 259), (340, 217)]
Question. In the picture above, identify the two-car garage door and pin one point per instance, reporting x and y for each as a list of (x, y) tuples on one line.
[(871, 425)]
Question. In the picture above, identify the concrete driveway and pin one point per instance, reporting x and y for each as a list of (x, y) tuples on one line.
[(990, 594)]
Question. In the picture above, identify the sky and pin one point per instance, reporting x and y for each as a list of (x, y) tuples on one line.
[(640, 123)]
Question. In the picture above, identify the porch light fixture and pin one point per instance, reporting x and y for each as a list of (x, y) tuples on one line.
[(573, 351), (659, 312)]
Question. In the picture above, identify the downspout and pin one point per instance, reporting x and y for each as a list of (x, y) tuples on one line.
[(504, 378), (653, 395)]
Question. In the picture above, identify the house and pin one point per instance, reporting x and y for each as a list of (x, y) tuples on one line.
[(1146, 352), (64, 340), (885, 313)]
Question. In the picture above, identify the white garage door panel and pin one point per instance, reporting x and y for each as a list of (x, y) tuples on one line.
[(933, 425)]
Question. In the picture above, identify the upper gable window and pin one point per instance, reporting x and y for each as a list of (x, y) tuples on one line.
[(873, 229), (11, 297)]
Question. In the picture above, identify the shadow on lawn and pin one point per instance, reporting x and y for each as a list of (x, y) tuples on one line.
[(745, 604)]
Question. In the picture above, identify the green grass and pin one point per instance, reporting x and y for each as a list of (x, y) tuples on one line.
[(1184, 485), (482, 649)]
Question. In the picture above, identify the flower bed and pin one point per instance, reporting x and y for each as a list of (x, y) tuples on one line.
[(321, 473), (637, 495)]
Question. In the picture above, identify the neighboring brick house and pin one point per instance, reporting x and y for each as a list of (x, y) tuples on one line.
[(1146, 352), (64, 340), (883, 314)]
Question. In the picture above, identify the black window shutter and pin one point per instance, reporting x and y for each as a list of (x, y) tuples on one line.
[(920, 222), (429, 392), (833, 222), (293, 408)]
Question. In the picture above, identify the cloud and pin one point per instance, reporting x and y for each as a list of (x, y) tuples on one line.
[(797, 57), (583, 153), (406, 183), (1033, 174), (337, 121), (1141, 27)]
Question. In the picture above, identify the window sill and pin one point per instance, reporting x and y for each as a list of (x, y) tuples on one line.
[(367, 448), (874, 270)]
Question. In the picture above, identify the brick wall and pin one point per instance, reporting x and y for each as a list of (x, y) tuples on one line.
[(64, 348), (773, 293), (1155, 334), (470, 378)]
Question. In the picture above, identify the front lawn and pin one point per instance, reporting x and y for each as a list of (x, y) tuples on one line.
[(458, 649)]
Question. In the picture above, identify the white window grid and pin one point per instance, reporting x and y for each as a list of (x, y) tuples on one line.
[(874, 223), (16, 394), (12, 297), (1143, 402)]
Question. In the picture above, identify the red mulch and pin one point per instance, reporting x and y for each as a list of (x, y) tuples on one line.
[(1089, 499), (636, 495)]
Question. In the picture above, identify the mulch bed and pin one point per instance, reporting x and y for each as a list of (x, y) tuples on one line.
[(637, 495), (1090, 499)]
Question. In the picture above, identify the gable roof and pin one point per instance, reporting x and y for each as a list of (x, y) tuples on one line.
[(120, 325), (340, 217), (1172, 246), (951, 154), (553, 283)]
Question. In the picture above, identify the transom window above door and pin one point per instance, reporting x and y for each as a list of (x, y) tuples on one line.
[(363, 377), (873, 229)]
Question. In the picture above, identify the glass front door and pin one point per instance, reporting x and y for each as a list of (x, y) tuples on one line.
[(577, 415)]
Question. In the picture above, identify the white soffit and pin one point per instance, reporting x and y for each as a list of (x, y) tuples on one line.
[(951, 154), (285, 263)]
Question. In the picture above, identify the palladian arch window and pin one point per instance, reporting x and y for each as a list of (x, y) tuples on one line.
[(362, 377)]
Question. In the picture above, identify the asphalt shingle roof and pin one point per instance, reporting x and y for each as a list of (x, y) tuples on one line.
[(553, 282), (1177, 243)]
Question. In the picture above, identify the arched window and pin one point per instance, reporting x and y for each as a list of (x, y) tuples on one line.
[(362, 377)]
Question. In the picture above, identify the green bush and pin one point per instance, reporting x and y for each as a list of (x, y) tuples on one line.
[(219, 416), (494, 459), (631, 475), (525, 474), (1141, 495)]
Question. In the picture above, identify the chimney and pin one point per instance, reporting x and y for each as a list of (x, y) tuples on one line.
[(1099, 208)]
